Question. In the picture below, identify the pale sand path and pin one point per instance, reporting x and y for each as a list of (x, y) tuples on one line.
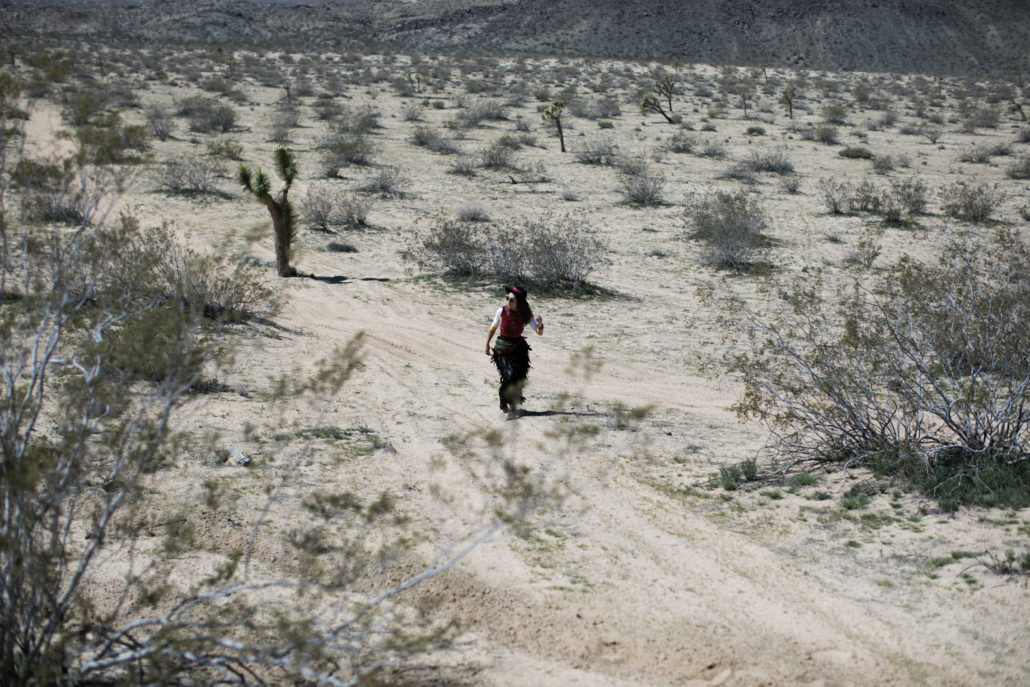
[(642, 589)]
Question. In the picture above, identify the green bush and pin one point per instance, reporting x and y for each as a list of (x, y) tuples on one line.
[(926, 378), (974, 203), (598, 152), (835, 195), (1020, 169), (732, 227), (642, 186), (856, 153), (552, 252)]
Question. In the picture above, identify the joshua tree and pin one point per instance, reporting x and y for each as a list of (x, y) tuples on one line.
[(650, 103), (553, 113), (664, 87), (1017, 109), (788, 95), (279, 206)]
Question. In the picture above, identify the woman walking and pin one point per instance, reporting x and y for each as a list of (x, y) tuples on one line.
[(511, 354)]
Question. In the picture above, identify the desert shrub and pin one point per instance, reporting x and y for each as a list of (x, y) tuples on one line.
[(352, 209), (464, 165), (681, 142), (883, 164), (1023, 136), (1020, 169), (497, 157), (552, 252), (912, 194), (431, 139), (509, 141), (732, 227), (424, 136), (821, 134), (160, 121), (190, 175), (931, 133), (598, 152), (755, 131), (228, 148), (835, 195), (865, 197), (887, 119), (319, 208), (282, 124), (975, 203), (65, 193), (327, 108), (472, 212), (866, 251), (834, 113), (607, 108), (856, 153), (207, 115), (775, 161), (479, 111), (107, 141), (740, 171), (982, 154), (714, 150), (790, 184), (645, 187), (388, 180), (342, 149), (361, 121), (891, 210), (986, 117), (452, 247), (412, 112), (562, 251), (926, 376), (83, 106)]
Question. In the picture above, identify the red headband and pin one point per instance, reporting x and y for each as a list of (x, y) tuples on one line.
[(517, 290)]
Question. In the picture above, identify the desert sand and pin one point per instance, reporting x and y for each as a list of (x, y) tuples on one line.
[(646, 572)]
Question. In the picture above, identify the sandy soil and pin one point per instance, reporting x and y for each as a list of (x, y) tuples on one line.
[(643, 574)]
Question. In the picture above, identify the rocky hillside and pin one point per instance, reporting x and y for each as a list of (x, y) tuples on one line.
[(932, 36)]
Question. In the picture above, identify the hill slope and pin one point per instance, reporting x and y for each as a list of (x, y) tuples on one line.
[(948, 36)]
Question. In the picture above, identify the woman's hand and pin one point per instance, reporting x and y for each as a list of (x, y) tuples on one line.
[(488, 349), (539, 325)]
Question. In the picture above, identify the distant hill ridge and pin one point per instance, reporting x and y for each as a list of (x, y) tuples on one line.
[(931, 36)]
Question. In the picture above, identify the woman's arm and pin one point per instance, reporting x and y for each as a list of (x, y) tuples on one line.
[(489, 338)]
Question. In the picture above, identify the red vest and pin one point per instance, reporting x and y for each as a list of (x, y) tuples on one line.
[(512, 324)]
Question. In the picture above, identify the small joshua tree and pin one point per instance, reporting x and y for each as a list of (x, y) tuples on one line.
[(553, 113), (279, 206), (664, 86), (788, 94)]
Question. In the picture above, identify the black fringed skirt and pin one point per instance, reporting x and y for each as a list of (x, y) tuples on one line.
[(511, 356)]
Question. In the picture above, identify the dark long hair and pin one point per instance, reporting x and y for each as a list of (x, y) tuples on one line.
[(525, 312)]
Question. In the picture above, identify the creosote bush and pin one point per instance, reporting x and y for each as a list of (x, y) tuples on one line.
[(552, 252), (731, 225), (642, 186), (191, 175), (972, 203), (925, 377)]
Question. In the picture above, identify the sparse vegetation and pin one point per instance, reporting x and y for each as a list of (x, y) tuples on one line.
[(731, 225), (862, 388)]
